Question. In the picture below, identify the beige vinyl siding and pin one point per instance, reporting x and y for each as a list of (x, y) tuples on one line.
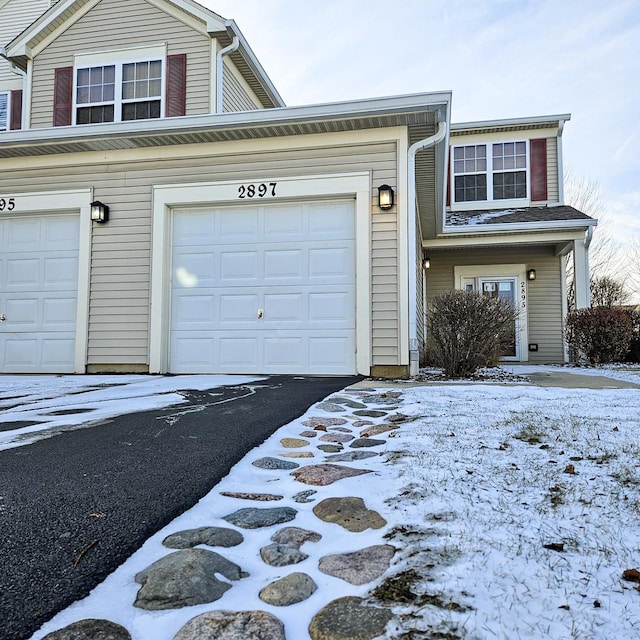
[(114, 24), (544, 295), (237, 95), (15, 17), (120, 252), (553, 194)]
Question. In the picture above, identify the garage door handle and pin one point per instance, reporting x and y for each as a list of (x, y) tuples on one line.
[(2, 317), (260, 314)]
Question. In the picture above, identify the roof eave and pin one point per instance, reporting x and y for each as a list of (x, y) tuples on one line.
[(510, 227), (549, 120)]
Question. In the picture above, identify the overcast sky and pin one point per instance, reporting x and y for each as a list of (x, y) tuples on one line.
[(501, 59)]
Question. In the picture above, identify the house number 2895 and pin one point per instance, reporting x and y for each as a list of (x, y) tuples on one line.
[(257, 190), (7, 204)]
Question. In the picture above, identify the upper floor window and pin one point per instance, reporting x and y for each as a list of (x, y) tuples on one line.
[(118, 92), (4, 111), (484, 172)]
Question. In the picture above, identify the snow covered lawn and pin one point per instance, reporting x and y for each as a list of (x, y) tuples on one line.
[(518, 509)]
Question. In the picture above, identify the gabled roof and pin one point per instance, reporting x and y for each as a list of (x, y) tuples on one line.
[(65, 12), (479, 220)]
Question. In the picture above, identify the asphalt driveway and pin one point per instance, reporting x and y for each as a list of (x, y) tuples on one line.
[(73, 507)]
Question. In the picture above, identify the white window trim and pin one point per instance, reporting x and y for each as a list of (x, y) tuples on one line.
[(517, 271), (8, 122), (118, 58), (489, 203)]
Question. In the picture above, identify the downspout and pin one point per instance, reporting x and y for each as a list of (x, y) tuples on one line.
[(439, 136), (220, 70), (560, 164)]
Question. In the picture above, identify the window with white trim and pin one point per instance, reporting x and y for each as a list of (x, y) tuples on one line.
[(118, 92), (4, 110), (501, 174)]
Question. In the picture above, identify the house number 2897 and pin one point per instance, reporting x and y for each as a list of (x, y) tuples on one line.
[(7, 204), (257, 190)]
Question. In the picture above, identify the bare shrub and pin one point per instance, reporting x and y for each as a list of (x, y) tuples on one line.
[(600, 334), (468, 331)]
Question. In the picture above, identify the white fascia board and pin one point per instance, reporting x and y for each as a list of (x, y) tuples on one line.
[(239, 120), (511, 122), (253, 62), (550, 237), (518, 226)]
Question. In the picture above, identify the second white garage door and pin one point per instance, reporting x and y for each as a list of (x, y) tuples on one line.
[(264, 289)]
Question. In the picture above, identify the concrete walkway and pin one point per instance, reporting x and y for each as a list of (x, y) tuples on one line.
[(578, 381)]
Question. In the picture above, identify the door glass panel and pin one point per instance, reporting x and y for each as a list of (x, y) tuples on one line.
[(506, 290)]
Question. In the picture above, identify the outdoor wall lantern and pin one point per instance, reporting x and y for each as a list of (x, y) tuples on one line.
[(531, 274), (99, 212), (426, 262), (385, 197)]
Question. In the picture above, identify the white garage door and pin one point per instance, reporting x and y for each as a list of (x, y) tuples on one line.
[(264, 289), (38, 293)]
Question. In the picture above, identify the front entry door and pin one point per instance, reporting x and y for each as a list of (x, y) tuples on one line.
[(505, 288)]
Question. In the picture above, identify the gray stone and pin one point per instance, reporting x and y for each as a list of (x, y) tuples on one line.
[(304, 496), (258, 497), (358, 567), (274, 463), (351, 456), (370, 413), (253, 518), (185, 578), (340, 429), (295, 536), (323, 422), (282, 555), (330, 448), (211, 536), (361, 423), (350, 513), (398, 417), (90, 629), (376, 429), (336, 437), (349, 619), (321, 475), (366, 442), (289, 590), (309, 434), (293, 443), (330, 407), (232, 625), (347, 402)]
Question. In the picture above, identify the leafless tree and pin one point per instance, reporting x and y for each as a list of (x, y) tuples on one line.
[(607, 292)]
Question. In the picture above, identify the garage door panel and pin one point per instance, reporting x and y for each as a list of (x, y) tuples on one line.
[(21, 313), (333, 264), (285, 281), (194, 312), (195, 270), (21, 354), (238, 266), (239, 225), (239, 308), (59, 314), (194, 228), (61, 271), (283, 264), (57, 352), (284, 224), (240, 353), (62, 232)]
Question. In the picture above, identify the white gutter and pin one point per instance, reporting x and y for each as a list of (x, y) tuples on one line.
[(220, 70), (23, 74), (439, 136)]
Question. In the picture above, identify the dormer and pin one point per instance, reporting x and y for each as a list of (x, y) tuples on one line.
[(505, 164), (110, 61)]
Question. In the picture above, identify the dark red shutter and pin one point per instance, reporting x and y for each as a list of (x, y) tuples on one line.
[(538, 154), (15, 121), (176, 98), (62, 96)]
